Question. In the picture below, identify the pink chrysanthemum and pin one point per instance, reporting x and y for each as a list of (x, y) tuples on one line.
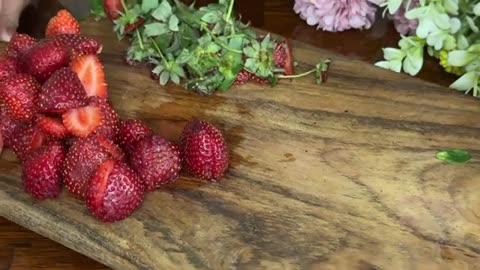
[(336, 15), (403, 25)]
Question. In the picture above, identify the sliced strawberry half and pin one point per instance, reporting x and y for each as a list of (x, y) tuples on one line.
[(52, 126), (89, 69), (62, 23), (283, 56), (27, 141), (82, 121)]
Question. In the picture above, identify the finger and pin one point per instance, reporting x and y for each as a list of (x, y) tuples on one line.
[(10, 11)]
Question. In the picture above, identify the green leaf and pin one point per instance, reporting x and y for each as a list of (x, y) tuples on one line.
[(179, 71), (96, 8), (454, 156), (251, 64), (472, 25), (476, 9), (148, 5), (175, 78), (462, 42), (460, 58), (250, 52), (164, 77), (183, 57), (393, 6), (158, 69), (266, 42), (465, 83), (392, 54), (163, 12), (211, 17), (155, 29), (383, 64), (236, 43), (442, 21), (173, 23)]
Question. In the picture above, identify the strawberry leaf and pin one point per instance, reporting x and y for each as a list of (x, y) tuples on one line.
[(163, 12), (148, 5), (454, 156), (156, 29), (173, 23)]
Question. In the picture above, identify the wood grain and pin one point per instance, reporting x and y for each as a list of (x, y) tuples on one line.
[(339, 176)]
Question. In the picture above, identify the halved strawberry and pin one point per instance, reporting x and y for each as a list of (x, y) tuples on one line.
[(112, 8), (61, 92), (114, 192), (28, 140), (283, 57), (52, 126), (82, 121), (90, 71), (62, 23)]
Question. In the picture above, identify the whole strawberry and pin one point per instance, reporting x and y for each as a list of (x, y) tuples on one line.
[(83, 159), (110, 122), (42, 171), (62, 23), (9, 127), (131, 132), (114, 192), (61, 92), (282, 55), (157, 161), (19, 44), (43, 59), (81, 44), (19, 95), (204, 150), (8, 67)]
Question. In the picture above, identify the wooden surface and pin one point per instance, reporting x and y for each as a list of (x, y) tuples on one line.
[(21, 248), (341, 176)]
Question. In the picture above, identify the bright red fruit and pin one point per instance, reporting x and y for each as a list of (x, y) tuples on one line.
[(83, 159), (131, 132), (204, 150), (112, 8), (62, 23), (19, 95), (8, 67), (27, 140), (43, 59), (82, 121), (283, 57), (19, 44), (80, 43), (89, 69), (61, 92), (114, 192), (42, 171), (52, 126), (110, 122), (157, 161)]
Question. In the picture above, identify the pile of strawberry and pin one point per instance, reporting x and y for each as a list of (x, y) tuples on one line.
[(56, 117)]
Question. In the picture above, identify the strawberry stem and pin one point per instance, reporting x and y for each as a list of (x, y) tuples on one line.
[(140, 42), (160, 53), (218, 41), (320, 69)]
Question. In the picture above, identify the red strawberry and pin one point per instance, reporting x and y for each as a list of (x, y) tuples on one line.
[(110, 122), (90, 71), (19, 44), (27, 140), (204, 150), (42, 172), (83, 159), (114, 192), (157, 161), (83, 44), (19, 95), (131, 132), (112, 8), (62, 23), (82, 121), (283, 57), (61, 92), (9, 127), (243, 77), (52, 126), (44, 59), (8, 67)]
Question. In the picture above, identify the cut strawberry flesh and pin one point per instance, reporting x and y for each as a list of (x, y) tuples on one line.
[(90, 71), (110, 147), (82, 121), (101, 176), (52, 126)]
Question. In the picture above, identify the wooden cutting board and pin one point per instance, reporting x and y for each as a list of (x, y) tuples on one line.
[(338, 176)]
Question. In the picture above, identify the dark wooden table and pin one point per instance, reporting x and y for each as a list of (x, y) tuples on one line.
[(23, 249)]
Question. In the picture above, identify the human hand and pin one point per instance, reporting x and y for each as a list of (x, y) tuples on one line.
[(10, 11)]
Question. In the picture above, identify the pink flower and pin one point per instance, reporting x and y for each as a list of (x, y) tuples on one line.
[(403, 25), (336, 15)]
